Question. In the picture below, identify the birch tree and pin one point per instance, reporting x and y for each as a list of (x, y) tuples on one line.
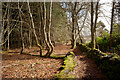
[(33, 26)]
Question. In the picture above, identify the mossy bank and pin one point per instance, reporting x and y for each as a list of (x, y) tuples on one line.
[(68, 66), (109, 63)]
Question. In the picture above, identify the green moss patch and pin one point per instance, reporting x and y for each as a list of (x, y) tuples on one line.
[(67, 66)]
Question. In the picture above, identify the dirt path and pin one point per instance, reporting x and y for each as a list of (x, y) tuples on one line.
[(85, 68), (15, 65)]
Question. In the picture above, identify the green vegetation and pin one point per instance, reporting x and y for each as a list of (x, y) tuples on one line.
[(67, 67), (103, 44), (108, 62)]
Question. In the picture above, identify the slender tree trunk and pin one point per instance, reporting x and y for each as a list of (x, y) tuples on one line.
[(74, 25), (23, 46), (96, 17), (3, 24), (30, 41), (8, 38), (42, 24), (34, 29), (45, 34), (73, 31), (49, 40), (92, 27), (111, 30), (8, 25)]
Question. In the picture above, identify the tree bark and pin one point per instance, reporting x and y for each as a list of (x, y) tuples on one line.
[(30, 41), (73, 26), (23, 45), (42, 24), (45, 34), (8, 25), (92, 27), (49, 40), (34, 29), (111, 30)]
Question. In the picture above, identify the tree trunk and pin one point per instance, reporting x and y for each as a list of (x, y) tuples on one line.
[(111, 30), (23, 46), (42, 25), (8, 37), (73, 25), (92, 28), (34, 30), (45, 34), (30, 41), (8, 25), (49, 40), (96, 17), (73, 31)]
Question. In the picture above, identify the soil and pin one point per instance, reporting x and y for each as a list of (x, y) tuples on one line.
[(85, 68), (16, 66)]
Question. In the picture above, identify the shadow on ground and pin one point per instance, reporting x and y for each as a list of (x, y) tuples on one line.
[(87, 69)]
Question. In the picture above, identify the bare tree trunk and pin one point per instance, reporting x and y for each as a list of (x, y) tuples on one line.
[(8, 25), (92, 27), (8, 38), (73, 25), (34, 29), (3, 24), (42, 25), (111, 30), (30, 41), (96, 17), (45, 34), (23, 46), (49, 40), (73, 31)]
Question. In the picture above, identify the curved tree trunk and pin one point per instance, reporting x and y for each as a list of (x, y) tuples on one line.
[(44, 30), (34, 30), (49, 40)]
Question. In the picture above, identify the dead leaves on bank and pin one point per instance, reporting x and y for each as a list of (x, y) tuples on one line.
[(26, 66)]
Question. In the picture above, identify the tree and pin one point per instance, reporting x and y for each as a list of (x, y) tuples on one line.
[(21, 29), (49, 26), (33, 26), (111, 29), (77, 10), (93, 24)]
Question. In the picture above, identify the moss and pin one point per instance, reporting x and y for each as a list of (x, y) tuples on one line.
[(57, 56), (108, 62), (67, 67)]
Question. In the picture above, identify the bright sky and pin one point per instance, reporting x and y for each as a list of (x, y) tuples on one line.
[(106, 8)]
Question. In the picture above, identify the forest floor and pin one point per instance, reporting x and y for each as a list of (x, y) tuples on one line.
[(16, 66), (85, 68)]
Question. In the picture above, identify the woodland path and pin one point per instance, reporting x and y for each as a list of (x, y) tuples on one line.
[(15, 65), (85, 68)]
